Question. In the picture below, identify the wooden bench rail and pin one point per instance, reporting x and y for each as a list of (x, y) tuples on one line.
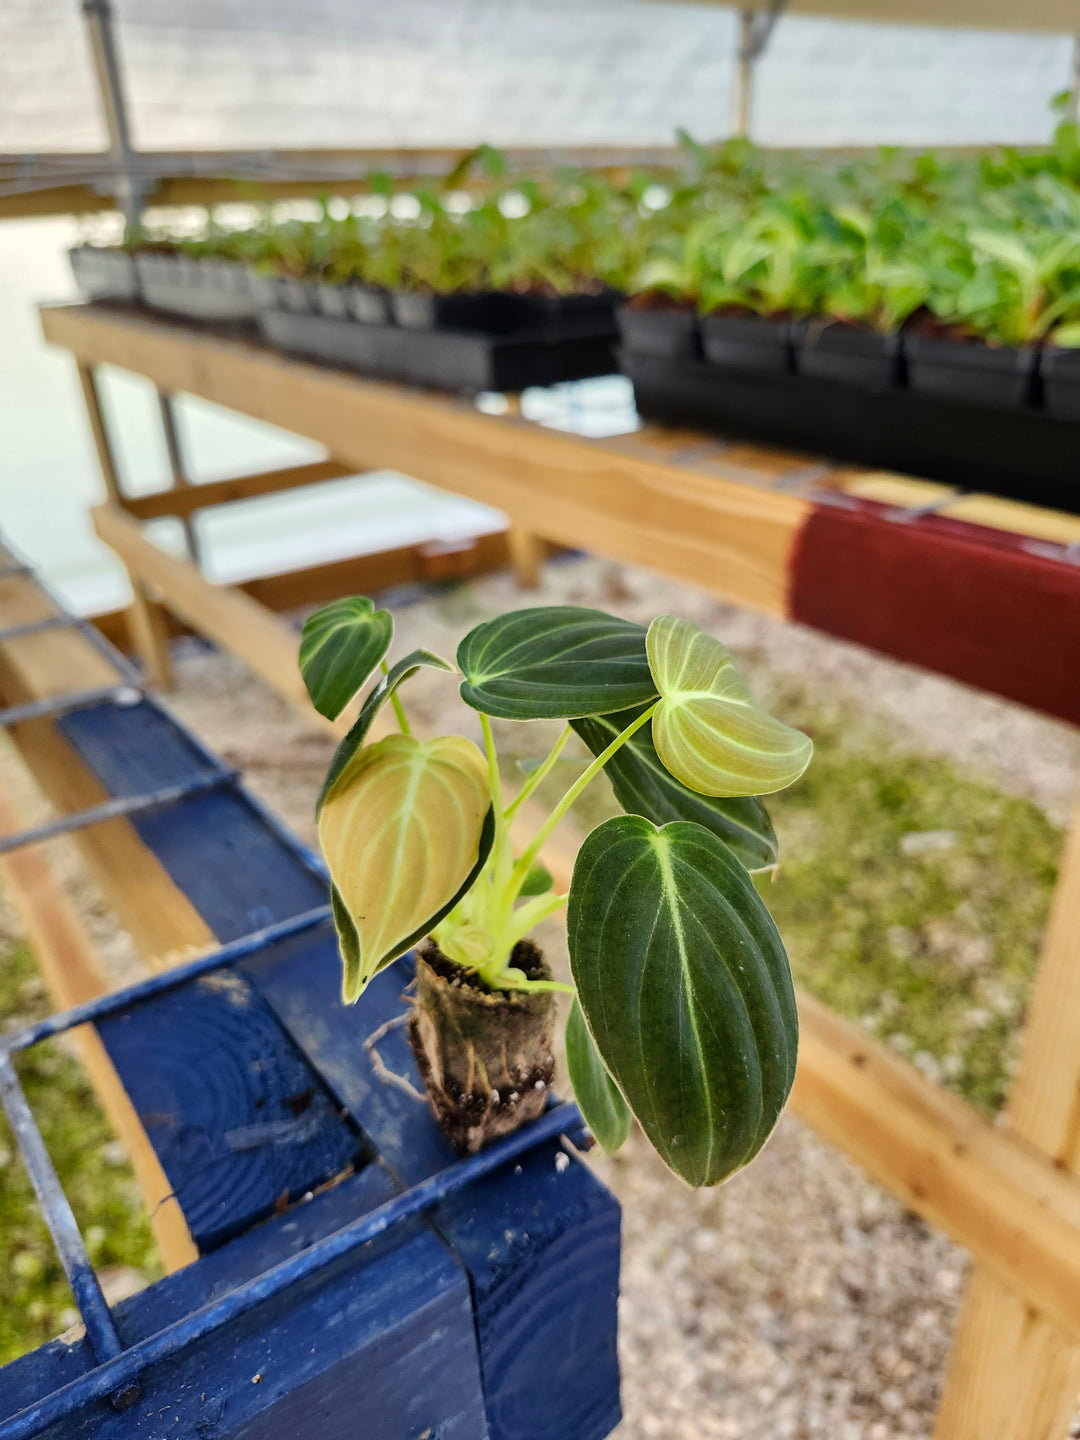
[(957, 590), (187, 500)]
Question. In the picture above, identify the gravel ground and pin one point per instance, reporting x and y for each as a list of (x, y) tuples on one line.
[(799, 1300)]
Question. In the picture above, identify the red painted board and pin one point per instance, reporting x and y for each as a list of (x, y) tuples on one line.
[(989, 614)]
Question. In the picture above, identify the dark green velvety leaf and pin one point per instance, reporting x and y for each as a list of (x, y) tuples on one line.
[(348, 946), (643, 786), (606, 1112), (340, 646), (555, 662), (370, 708), (537, 882), (686, 990)]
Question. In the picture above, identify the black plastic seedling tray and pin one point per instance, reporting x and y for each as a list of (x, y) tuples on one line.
[(1026, 454), (449, 359)]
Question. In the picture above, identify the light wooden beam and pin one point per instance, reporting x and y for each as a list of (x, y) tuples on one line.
[(148, 638), (1015, 1373), (196, 496), (717, 533), (218, 612)]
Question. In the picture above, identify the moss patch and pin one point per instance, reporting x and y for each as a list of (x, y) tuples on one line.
[(35, 1302)]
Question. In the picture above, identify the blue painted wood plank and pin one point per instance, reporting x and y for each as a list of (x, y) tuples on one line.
[(381, 1346), (238, 873), (238, 1118), (540, 1239), (133, 748)]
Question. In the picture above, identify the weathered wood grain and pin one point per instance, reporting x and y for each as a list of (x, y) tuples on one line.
[(382, 1345)]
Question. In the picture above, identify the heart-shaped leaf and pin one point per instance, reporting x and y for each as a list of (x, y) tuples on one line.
[(643, 786), (370, 708), (404, 829), (599, 1099), (708, 729), (554, 662), (340, 646), (686, 990)]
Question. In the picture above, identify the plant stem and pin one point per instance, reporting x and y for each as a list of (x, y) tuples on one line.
[(540, 773), (502, 857), (399, 709), (493, 764), (509, 981), (535, 845)]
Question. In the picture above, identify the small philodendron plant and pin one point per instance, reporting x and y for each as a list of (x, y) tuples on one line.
[(684, 1013)]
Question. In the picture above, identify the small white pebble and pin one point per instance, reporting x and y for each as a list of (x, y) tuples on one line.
[(257, 1379), (562, 1160)]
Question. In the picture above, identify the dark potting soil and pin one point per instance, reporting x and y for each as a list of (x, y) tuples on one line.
[(486, 1059), (526, 956)]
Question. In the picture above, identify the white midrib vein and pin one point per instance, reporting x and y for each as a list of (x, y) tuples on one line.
[(667, 882)]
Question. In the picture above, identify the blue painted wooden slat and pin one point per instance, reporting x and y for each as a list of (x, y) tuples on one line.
[(382, 1347), (238, 873), (240, 1122), (540, 1240)]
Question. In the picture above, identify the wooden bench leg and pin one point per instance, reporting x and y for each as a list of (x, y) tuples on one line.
[(527, 553), (1013, 1375), (146, 624), (149, 636)]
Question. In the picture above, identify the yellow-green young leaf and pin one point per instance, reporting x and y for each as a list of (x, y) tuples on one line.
[(708, 729), (402, 830)]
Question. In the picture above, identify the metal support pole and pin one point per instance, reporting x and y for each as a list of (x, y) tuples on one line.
[(129, 189), (85, 1286), (179, 475), (755, 29)]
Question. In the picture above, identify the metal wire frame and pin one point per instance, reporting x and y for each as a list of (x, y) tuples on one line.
[(119, 1371), (115, 809)]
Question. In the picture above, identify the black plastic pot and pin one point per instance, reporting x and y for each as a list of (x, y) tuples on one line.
[(562, 317), (1060, 371), (485, 311), (1027, 454), (667, 333), (968, 370), (850, 355), (299, 296), (265, 289), (330, 300), (747, 342), (368, 303), (450, 359), (104, 274)]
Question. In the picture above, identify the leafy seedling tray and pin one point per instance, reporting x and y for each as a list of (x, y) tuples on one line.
[(970, 372), (448, 359), (1027, 454), (850, 356)]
